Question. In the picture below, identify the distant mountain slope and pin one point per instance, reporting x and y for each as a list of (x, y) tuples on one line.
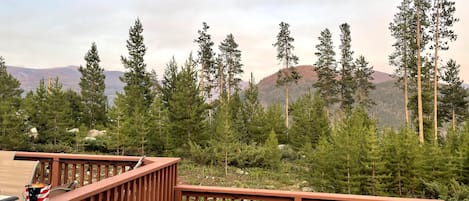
[(69, 77), (389, 99)]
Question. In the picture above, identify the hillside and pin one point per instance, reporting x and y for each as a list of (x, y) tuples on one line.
[(69, 77), (389, 99)]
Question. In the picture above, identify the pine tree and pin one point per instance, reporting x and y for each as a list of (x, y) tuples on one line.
[(119, 139), (159, 140), (373, 164), (272, 152), (238, 120), (92, 88), (133, 104), (231, 58), (36, 107), (137, 90), (403, 160), (401, 57), (11, 123), (187, 108), (347, 84), (453, 103), (221, 78), (419, 77), (348, 141), (206, 60), (309, 121), (169, 81), (253, 113), (58, 116), (285, 56), (273, 121), (325, 68), (76, 107), (363, 76), (225, 139), (321, 175), (443, 19)]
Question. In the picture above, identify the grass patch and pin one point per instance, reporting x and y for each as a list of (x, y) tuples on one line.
[(287, 177)]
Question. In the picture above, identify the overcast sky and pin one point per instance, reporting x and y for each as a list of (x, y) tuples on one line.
[(52, 33)]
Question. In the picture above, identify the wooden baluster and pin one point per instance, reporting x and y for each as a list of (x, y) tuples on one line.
[(74, 172), (106, 171), (65, 175), (56, 170), (98, 173), (89, 172), (82, 174), (114, 170)]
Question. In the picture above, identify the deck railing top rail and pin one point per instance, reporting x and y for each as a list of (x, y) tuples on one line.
[(254, 194), (84, 157)]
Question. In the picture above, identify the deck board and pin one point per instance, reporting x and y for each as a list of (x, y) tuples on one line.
[(14, 174)]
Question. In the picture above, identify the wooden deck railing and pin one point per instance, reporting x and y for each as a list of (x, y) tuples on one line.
[(107, 178), (209, 193), (111, 178)]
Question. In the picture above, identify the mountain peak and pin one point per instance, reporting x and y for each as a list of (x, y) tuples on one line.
[(308, 75)]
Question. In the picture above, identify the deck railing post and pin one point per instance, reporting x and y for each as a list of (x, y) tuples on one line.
[(55, 171), (177, 194)]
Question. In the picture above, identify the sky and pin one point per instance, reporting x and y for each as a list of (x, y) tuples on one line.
[(57, 33)]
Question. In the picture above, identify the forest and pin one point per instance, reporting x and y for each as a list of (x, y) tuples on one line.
[(197, 111)]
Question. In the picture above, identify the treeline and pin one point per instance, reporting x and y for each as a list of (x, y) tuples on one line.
[(328, 134)]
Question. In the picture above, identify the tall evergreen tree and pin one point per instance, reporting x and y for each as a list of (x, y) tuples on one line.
[(363, 76), (137, 90), (273, 121), (206, 60), (159, 140), (131, 107), (285, 56), (325, 68), (419, 77), (58, 116), (453, 103), (253, 112), (225, 139), (309, 121), (231, 58), (442, 19), (92, 88), (76, 107), (169, 81), (347, 84), (187, 108), (401, 57), (221, 78), (11, 123)]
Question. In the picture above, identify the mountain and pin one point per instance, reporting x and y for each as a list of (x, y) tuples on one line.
[(389, 99), (69, 77), (466, 86)]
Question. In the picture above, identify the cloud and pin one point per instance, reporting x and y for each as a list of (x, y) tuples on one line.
[(58, 33)]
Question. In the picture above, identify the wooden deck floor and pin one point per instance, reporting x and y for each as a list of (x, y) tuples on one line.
[(14, 174)]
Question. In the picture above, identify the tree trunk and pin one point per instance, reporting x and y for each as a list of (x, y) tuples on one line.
[(453, 120), (202, 79), (406, 98), (348, 174), (286, 105), (226, 163), (435, 73), (419, 78)]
